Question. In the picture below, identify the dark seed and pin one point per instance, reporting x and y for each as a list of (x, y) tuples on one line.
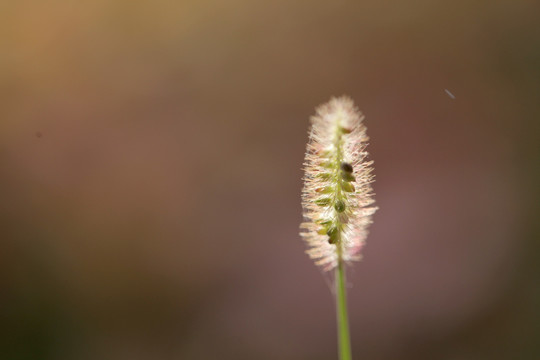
[(333, 234), (346, 167), (340, 206), (346, 130)]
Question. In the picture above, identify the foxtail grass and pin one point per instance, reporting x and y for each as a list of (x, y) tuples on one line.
[(337, 197)]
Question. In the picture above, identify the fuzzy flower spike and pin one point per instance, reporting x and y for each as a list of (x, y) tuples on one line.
[(337, 194)]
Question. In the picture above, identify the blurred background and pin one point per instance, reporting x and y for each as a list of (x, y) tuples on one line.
[(150, 175)]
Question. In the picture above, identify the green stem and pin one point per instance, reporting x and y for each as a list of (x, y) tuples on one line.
[(344, 339)]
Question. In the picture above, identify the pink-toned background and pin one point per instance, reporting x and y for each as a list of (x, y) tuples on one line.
[(150, 177)]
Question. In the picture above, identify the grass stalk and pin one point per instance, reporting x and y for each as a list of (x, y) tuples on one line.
[(344, 339)]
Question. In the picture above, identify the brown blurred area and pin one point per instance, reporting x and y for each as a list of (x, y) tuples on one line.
[(150, 177)]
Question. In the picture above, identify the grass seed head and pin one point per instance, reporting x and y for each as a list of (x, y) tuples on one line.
[(337, 197)]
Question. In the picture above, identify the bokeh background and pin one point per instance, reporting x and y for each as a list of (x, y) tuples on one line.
[(150, 175)]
